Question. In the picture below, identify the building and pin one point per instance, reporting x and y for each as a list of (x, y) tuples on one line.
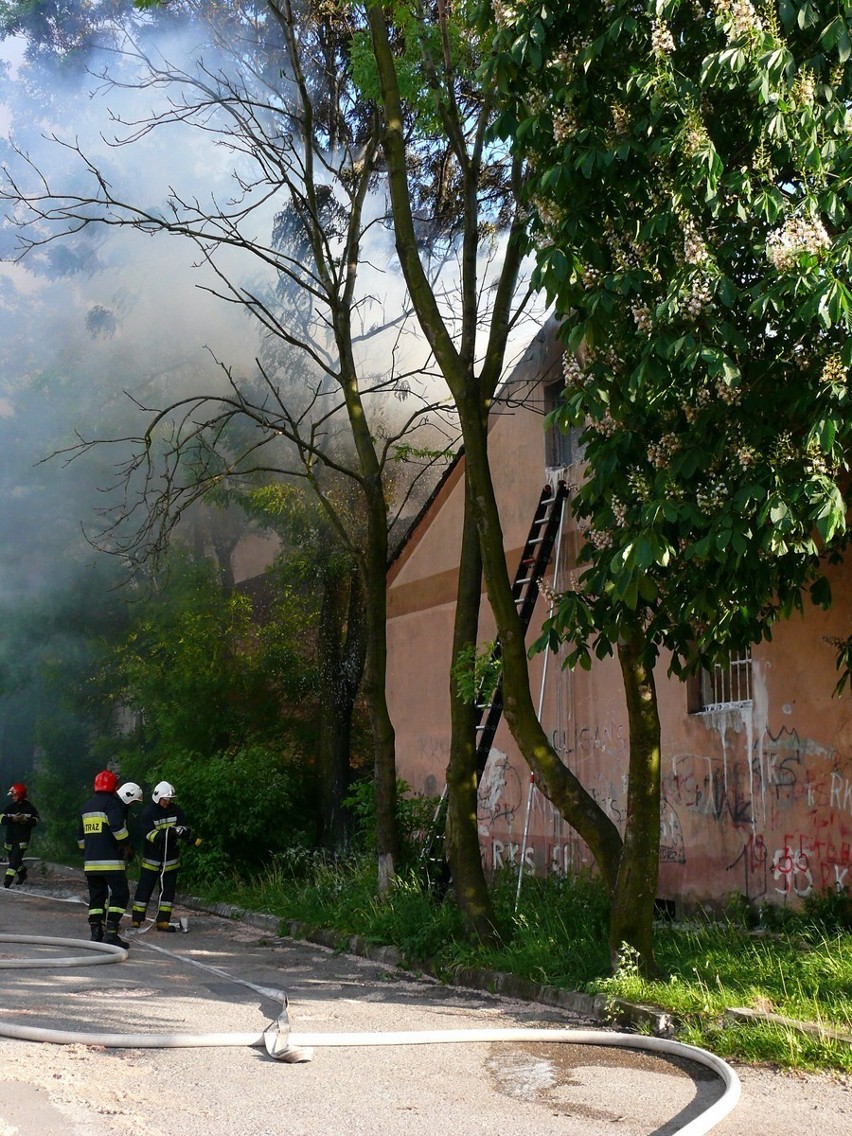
[(757, 757)]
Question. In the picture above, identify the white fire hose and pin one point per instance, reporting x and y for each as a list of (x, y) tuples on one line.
[(292, 1048)]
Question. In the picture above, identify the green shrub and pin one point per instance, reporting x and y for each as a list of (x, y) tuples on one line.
[(829, 909), (414, 820), (246, 806)]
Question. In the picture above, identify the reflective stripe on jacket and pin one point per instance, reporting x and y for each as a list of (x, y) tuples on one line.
[(18, 831), (161, 852)]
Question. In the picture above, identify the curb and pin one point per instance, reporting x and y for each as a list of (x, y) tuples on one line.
[(599, 1007)]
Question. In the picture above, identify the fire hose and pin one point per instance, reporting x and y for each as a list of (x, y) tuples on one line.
[(283, 1045)]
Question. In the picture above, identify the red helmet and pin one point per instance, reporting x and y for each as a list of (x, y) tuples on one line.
[(18, 791), (106, 782)]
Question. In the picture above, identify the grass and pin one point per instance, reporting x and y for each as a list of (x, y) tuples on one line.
[(800, 968)]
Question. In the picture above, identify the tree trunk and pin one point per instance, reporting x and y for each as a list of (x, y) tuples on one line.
[(632, 915), (462, 833), (472, 396), (374, 578), (341, 665), (558, 783)]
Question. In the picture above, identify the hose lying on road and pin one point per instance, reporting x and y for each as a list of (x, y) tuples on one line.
[(288, 1047), (104, 952)]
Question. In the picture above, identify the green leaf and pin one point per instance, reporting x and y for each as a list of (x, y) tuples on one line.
[(723, 539), (821, 592)]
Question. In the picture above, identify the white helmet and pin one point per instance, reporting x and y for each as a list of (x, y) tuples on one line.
[(129, 792), (163, 789)]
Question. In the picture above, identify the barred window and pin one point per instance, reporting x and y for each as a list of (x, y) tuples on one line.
[(723, 685)]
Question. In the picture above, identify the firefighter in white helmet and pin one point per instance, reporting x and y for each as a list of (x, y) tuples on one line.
[(164, 828)]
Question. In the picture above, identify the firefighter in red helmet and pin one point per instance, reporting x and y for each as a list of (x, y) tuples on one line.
[(105, 843), (19, 818)]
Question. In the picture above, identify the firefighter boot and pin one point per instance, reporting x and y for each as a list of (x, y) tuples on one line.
[(164, 926), (96, 932), (113, 938), (22, 874)]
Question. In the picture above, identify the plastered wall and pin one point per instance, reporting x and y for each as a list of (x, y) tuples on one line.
[(757, 798)]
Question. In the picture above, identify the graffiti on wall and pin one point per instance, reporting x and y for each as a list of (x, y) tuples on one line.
[(672, 847), (769, 817), (800, 865), (766, 814), (610, 737), (499, 792)]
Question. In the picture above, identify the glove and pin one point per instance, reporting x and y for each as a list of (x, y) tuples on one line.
[(128, 852), (181, 830)]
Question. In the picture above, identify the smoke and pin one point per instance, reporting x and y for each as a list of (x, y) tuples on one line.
[(101, 323)]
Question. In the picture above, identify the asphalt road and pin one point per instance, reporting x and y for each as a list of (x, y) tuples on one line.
[(224, 976)]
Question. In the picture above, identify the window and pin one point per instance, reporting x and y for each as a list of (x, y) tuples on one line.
[(560, 449), (722, 686)]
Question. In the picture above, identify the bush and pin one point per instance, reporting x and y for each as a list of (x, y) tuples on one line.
[(246, 806), (830, 909), (414, 818)]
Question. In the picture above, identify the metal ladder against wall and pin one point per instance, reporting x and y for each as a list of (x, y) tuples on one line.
[(531, 568)]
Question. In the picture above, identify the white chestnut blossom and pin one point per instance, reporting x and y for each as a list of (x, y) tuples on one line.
[(833, 371), (572, 371), (564, 124), (797, 236), (700, 299), (642, 318), (694, 246), (600, 538), (739, 16), (712, 495), (504, 13), (606, 427), (662, 41), (662, 451)]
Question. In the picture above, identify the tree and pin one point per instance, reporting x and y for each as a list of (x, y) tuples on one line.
[(314, 565), (471, 352), (274, 90), (207, 697), (692, 213)]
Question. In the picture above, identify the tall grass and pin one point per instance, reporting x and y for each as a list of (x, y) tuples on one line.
[(558, 936)]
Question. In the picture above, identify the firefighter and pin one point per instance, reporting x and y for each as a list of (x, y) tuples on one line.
[(20, 818), (164, 827), (105, 843)]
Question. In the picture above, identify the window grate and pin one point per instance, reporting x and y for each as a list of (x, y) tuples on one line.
[(727, 684)]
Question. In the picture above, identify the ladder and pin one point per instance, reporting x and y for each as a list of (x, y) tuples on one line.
[(531, 567)]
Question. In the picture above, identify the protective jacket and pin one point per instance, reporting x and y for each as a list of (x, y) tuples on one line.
[(20, 818), (163, 830), (102, 834)]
